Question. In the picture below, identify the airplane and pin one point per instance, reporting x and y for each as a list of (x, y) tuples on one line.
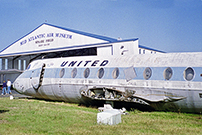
[(164, 81)]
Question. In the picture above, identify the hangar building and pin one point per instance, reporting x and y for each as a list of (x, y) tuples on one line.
[(49, 41)]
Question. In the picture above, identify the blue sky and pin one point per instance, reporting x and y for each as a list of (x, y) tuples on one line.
[(167, 25)]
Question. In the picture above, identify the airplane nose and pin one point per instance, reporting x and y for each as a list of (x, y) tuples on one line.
[(18, 86)]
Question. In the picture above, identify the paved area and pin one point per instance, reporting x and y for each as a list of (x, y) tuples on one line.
[(15, 94)]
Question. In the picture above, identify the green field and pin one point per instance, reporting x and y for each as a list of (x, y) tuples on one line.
[(30, 116)]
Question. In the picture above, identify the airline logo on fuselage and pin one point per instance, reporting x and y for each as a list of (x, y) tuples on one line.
[(84, 63)]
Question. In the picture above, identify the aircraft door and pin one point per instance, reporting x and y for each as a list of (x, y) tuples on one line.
[(37, 77)]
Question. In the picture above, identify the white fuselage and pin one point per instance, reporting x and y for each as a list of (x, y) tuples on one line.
[(170, 81)]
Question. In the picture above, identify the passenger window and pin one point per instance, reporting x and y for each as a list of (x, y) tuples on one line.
[(74, 72), (139, 51), (200, 95), (147, 73), (62, 72), (86, 72), (189, 74), (115, 73), (100, 73), (167, 74)]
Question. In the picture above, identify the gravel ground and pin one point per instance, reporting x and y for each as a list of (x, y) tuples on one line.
[(15, 94)]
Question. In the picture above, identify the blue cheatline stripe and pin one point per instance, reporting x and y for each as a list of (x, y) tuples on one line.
[(157, 73)]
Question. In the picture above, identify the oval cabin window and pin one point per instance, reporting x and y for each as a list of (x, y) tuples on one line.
[(86, 72), (167, 74), (147, 73), (115, 73), (189, 74), (100, 73), (62, 72), (74, 72)]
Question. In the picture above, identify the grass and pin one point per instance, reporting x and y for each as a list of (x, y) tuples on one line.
[(30, 116)]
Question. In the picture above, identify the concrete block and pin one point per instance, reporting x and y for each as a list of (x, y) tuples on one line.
[(109, 117)]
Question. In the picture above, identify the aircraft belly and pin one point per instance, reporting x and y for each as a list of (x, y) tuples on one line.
[(66, 92), (190, 102), (61, 90), (31, 92), (47, 90), (159, 97), (193, 102)]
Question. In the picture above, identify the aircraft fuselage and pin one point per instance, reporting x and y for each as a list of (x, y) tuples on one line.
[(170, 81)]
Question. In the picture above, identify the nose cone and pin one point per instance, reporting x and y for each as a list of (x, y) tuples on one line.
[(18, 86)]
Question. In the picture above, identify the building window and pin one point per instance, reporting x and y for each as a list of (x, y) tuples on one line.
[(86, 72), (143, 51), (115, 73), (74, 72), (167, 74), (189, 74), (139, 51), (147, 73), (100, 73)]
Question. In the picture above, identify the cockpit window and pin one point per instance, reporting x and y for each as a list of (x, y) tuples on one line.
[(36, 72), (26, 74), (28, 67)]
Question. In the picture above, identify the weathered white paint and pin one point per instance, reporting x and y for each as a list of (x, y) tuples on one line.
[(174, 94)]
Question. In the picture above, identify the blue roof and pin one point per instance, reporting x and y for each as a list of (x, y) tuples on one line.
[(104, 38), (144, 47), (86, 34)]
